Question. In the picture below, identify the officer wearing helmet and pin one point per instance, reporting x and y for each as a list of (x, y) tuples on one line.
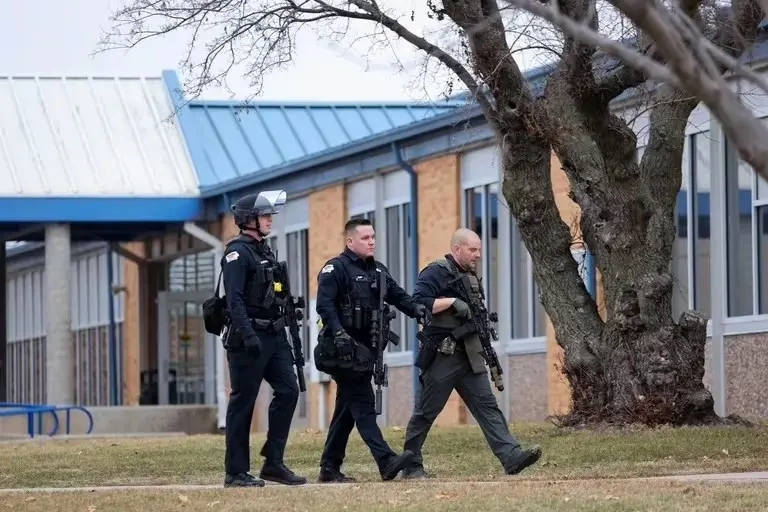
[(256, 344)]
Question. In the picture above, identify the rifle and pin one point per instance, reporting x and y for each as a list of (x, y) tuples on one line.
[(293, 315), (481, 320), (380, 319)]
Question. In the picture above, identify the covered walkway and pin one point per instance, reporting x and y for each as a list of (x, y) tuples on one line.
[(84, 159)]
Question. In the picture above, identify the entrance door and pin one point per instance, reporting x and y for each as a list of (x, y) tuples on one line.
[(186, 353)]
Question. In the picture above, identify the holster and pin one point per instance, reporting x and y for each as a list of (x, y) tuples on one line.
[(362, 362), (427, 352), (231, 340)]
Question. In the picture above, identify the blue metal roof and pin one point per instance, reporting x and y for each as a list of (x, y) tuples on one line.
[(232, 140)]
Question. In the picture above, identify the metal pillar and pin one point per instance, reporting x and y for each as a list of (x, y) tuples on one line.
[(221, 391), (3, 329), (60, 358), (718, 261)]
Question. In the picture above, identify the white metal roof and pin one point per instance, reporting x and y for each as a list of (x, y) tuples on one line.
[(91, 136)]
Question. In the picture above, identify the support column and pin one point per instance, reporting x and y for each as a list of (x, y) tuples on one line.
[(3, 329), (60, 355)]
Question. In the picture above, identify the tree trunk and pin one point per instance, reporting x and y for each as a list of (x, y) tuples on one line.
[(638, 365)]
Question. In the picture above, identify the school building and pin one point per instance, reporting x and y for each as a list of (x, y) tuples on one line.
[(115, 196)]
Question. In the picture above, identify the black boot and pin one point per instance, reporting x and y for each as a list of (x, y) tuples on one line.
[(242, 480), (521, 459), (333, 475), (414, 473), (394, 464), (279, 473)]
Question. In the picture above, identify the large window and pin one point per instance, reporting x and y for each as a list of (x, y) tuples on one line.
[(297, 259), (528, 317), (691, 249), (746, 207), (370, 215), (397, 259)]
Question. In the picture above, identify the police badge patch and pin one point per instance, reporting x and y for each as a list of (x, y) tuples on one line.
[(327, 269), (232, 256)]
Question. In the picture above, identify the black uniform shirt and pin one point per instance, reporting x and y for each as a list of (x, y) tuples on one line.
[(433, 282), (242, 284), (333, 283)]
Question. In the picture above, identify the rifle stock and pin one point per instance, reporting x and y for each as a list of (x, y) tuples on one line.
[(294, 314)]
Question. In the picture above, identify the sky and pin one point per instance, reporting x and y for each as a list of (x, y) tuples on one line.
[(57, 37)]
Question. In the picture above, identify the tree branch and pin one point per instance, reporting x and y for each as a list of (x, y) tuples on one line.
[(748, 134)]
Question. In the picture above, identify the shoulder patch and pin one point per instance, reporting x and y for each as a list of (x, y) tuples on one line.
[(232, 256), (327, 269)]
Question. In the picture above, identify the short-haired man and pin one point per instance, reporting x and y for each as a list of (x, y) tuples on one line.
[(347, 295), (447, 287)]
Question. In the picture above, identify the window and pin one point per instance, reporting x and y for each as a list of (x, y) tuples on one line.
[(690, 265), (296, 246), (738, 227), (370, 215), (746, 206), (762, 257), (272, 242), (398, 261), (529, 319), (482, 216)]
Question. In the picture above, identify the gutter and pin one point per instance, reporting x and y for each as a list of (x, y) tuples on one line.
[(413, 226)]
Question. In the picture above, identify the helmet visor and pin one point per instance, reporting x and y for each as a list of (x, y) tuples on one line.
[(270, 202)]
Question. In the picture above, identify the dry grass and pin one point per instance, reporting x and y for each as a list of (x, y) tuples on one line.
[(437, 496), (456, 453)]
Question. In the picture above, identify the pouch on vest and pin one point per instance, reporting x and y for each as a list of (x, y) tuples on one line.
[(215, 311), (325, 356), (362, 362)]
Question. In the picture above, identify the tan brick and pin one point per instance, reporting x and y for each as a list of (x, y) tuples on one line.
[(439, 205), (131, 326), (439, 216), (327, 216)]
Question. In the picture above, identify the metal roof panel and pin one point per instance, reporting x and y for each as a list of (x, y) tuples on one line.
[(91, 136)]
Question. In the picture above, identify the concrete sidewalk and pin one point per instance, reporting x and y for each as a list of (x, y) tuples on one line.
[(755, 476)]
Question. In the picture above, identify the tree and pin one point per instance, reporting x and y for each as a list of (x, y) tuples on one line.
[(684, 57), (636, 365)]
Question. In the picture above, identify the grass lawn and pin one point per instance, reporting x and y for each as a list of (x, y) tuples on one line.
[(455, 453), (531, 496)]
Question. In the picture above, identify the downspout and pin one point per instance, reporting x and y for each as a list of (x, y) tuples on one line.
[(113, 379), (413, 226)]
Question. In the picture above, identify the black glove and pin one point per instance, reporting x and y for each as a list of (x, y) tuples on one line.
[(252, 345), (422, 314), (344, 343), (462, 309)]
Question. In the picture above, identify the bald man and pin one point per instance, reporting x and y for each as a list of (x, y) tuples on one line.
[(447, 363)]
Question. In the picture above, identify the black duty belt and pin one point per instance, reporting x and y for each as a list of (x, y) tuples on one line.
[(262, 324)]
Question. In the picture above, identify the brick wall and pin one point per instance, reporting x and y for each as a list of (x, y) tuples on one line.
[(327, 216), (439, 216)]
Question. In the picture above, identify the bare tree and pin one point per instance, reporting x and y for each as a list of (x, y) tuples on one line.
[(636, 365), (684, 57)]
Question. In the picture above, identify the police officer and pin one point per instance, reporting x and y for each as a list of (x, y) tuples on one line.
[(447, 364), (256, 344), (347, 295)]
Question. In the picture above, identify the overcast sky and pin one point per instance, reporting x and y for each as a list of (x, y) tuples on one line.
[(56, 37)]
